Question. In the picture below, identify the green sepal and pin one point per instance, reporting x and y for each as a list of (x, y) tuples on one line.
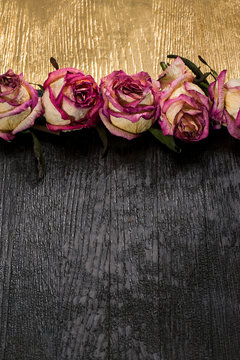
[(101, 130), (163, 65), (40, 93), (167, 140)]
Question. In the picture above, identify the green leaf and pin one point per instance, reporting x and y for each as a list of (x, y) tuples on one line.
[(213, 72), (101, 130), (163, 65), (38, 152), (167, 140), (54, 63), (190, 65)]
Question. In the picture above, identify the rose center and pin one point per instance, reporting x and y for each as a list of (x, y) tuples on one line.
[(188, 127), (131, 88), (81, 94), (8, 82)]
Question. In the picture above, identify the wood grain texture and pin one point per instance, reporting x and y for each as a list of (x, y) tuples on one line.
[(135, 256)]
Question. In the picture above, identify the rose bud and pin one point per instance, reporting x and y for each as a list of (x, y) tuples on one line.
[(226, 104), (19, 105), (71, 100), (184, 106), (130, 103)]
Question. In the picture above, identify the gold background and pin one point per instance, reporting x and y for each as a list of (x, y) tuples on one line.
[(99, 36)]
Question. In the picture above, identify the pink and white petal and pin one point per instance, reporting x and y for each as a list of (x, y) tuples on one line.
[(232, 102), (197, 94), (173, 72), (177, 91), (173, 86), (140, 126), (216, 88), (191, 86), (173, 110), (23, 94), (216, 93), (74, 111), (237, 121), (205, 118), (156, 85), (51, 114), (9, 123), (55, 75), (116, 131), (66, 128), (16, 110), (231, 126), (30, 119), (148, 99), (192, 112), (212, 90), (4, 107), (57, 86), (107, 81), (32, 93), (6, 136), (181, 98), (166, 126), (132, 117), (233, 84), (142, 76)]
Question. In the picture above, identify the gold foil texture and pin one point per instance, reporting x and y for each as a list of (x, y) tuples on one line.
[(99, 36)]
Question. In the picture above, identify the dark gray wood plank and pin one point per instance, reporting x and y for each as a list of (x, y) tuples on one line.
[(135, 256), (175, 247)]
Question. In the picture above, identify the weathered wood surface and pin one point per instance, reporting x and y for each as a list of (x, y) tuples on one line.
[(135, 256)]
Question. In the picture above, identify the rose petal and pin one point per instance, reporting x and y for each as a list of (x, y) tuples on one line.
[(173, 72), (72, 110), (114, 130), (51, 114), (231, 126), (9, 123), (232, 102), (6, 136), (55, 75), (30, 119)]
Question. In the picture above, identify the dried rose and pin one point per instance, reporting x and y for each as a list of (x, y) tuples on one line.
[(71, 100), (184, 106), (19, 105), (130, 103), (226, 104)]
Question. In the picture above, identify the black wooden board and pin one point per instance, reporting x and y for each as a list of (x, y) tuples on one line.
[(130, 257)]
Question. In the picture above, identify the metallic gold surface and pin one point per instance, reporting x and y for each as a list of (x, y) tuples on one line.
[(99, 36)]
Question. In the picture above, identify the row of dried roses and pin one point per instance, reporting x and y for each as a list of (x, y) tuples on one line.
[(127, 105)]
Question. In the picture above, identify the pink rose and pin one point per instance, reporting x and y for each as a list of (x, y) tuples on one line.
[(19, 105), (130, 103), (71, 100), (226, 104), (184, 106)]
